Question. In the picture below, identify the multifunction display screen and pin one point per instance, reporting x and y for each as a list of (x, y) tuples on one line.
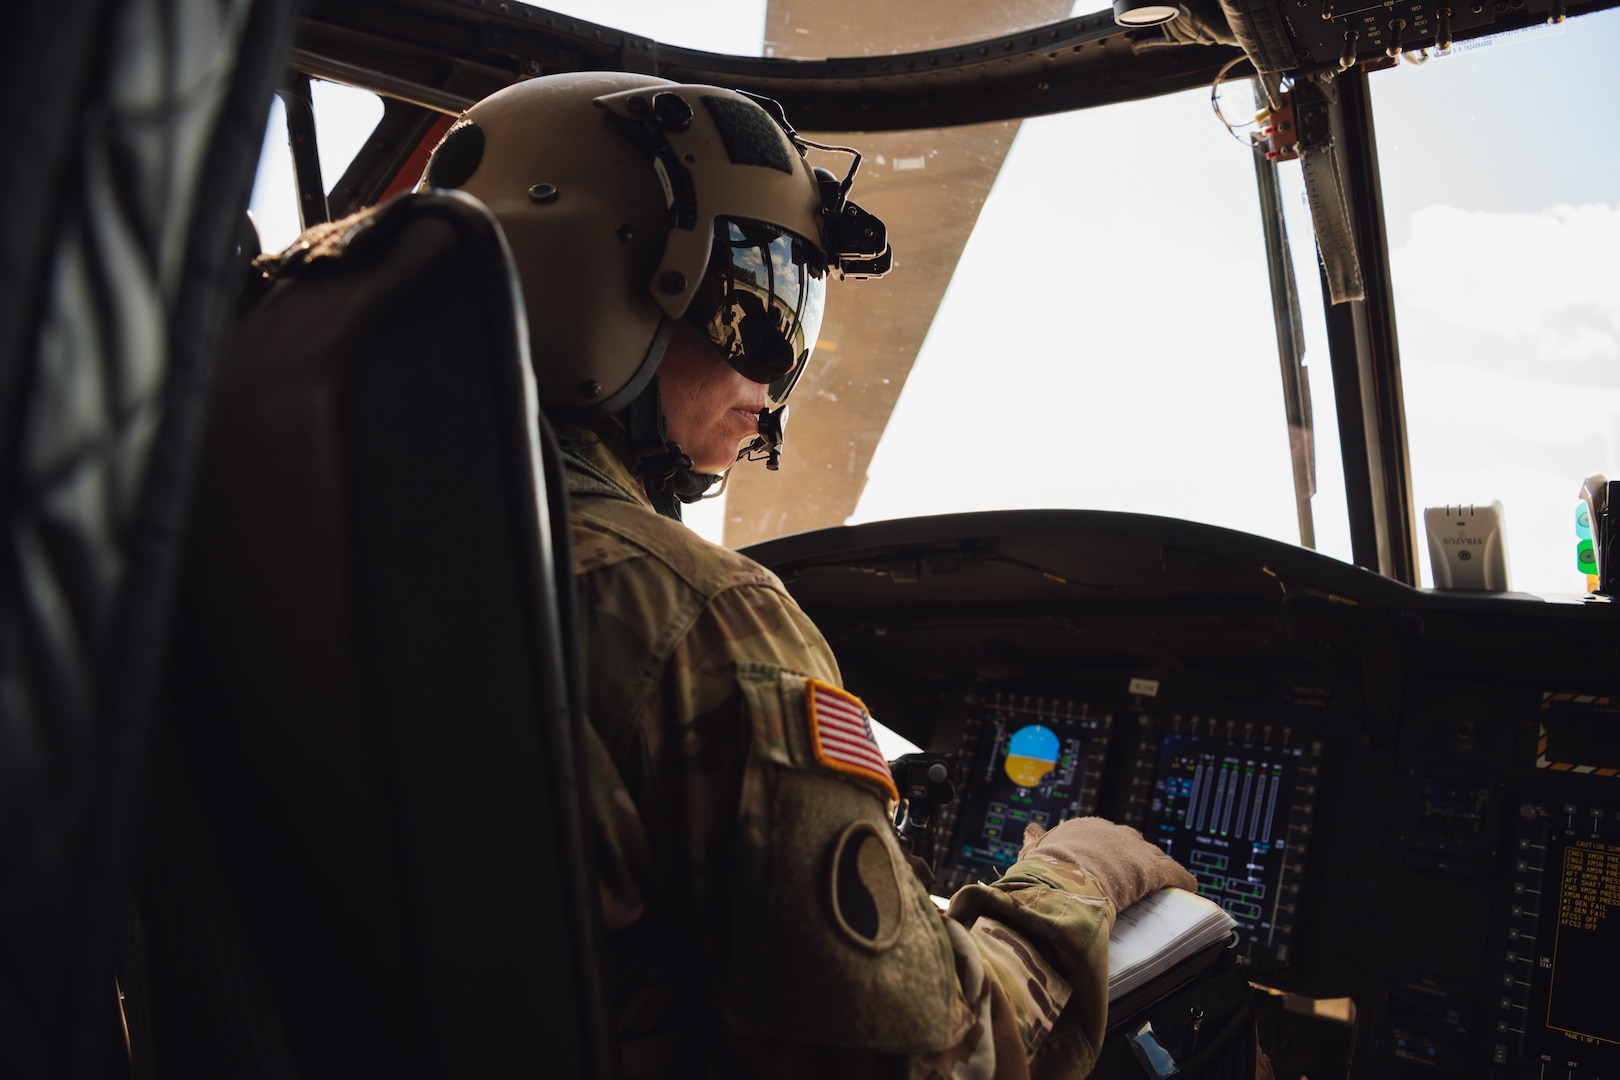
[(1566, 956), (1225, 810), (1586, 940), (1028, 766)]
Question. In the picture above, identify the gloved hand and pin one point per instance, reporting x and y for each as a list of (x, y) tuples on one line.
[(1125, 865)]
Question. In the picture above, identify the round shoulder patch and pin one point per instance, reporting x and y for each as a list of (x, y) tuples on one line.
[(868, 905)]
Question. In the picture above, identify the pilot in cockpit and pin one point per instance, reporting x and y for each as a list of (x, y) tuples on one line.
[(674, 246)]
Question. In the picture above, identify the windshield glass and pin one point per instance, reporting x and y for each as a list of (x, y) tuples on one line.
[(1080, 316), (1501, 181), (344, 119), (1107, 342)]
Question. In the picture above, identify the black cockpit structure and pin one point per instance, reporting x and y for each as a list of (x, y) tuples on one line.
[(1408, 798)]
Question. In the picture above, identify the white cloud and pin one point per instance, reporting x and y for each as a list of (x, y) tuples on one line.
[(1118, 354), (1510, 360), (1549, 280)]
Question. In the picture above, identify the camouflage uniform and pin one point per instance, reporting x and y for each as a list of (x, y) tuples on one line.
[(760, 915)]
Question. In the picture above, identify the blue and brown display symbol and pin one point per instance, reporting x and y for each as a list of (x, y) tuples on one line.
[(1032, 752)]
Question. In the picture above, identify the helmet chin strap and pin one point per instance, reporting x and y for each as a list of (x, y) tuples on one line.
[(665, 469), (662, 466)]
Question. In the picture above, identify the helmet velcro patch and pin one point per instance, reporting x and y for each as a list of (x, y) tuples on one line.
[(750, 135), (841, 736), (457, 156)]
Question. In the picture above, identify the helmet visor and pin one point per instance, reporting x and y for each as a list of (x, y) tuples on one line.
[(761, 301)]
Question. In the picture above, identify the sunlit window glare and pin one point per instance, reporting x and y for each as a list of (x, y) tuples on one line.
[(344, 119), (1107, 340), (1502, 202)]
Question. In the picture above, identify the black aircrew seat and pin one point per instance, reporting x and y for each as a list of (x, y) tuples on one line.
[(367, 853)]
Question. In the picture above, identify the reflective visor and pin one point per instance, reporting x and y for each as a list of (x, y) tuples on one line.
[(760, 302)]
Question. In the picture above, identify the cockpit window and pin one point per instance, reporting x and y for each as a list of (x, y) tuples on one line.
[(344, 118), (1106, 341), (1501, 182)]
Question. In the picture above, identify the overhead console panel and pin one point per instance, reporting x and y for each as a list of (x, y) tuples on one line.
[(445, 54), (1405, 798)]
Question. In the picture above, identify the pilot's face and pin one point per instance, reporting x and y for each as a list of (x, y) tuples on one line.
[(712, 410)]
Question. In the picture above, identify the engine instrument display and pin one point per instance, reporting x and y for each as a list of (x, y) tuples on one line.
[(1235, 808)]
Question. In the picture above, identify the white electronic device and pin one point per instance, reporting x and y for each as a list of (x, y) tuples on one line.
[(1468, 547)]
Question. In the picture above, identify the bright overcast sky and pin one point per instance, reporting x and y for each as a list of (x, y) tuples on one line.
[(1501, 179)]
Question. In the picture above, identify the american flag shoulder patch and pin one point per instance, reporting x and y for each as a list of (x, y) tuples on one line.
[(841, 735)]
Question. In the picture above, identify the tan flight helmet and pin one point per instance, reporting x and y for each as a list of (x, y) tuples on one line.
[(613, 190)]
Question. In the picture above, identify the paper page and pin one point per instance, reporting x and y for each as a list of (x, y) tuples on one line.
[(1159, 930)]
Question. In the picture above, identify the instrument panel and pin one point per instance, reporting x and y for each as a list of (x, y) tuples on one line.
[(1555, 1007), (1405, 798), (1023, 761), (1234, 802)]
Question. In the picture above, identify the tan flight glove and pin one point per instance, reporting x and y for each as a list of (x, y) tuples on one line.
[(1125, 865)]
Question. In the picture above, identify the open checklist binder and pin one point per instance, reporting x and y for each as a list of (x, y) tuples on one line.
[(1158, 932), (1178, 1003)]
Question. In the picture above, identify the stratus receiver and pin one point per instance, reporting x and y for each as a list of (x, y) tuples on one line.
[(1468, 547)]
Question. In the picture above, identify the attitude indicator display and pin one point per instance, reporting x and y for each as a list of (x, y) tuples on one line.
[(1033, 754), (1026, 761)]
